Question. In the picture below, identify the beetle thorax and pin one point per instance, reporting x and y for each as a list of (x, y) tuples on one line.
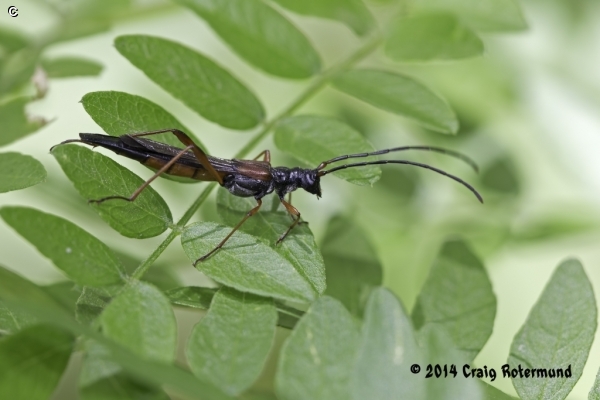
[(289, 179)]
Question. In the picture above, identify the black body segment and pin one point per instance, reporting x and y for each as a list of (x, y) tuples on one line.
[(242, 178)]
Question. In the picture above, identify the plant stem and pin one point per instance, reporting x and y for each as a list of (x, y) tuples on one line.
[(324, 78)]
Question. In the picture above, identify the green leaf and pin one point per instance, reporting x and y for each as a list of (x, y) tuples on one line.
[(32, 362), (245, 263), (192, 296), (194, 79), (18, 69), (27, 297), (66, 293), (350, 12), (96, 176), (201, 297), (12, 321), (74, 251), (501, 176), (316, 359), (16, 290), (491, 393), (595, 391), (439, 350), (260, 35), (120, 113), (313, 139), (386, 350), (352, 266), (141, 319), (15, 122), (299, 247), (67, 67), (436, 36), (12, 40), (229, 346), (90, 304), (102, 379), (458, 297), (558, 333), (18, 171), (483, 15), (400, 95)]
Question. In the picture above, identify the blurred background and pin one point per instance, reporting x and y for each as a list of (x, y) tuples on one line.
[(529, 112)]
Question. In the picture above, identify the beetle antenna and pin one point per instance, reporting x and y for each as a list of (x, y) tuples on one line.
[(65, 142), (380, 162), (447, 152)]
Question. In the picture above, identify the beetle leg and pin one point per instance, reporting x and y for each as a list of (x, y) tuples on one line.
[(266, 154), (295, 216), (185, 139), (291, 214), (145, 184), (217, 247)]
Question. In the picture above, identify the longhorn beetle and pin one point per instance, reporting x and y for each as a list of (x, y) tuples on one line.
[(243, 178)]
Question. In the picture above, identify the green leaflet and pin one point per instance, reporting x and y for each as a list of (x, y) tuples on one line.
[(400, 95), (313, 139), (386, 350), (102, 379), (19, 171), (352, 266), (440, 349), (21, 294), (120, 113), (201, 297), (12, 321), (68, 67), (350, 12), (77, 253), (12, 40), (261, 35), (299, 247), (197, 81), (316, 359), (141, 319), (229, 346), (245, 264), (484, 15), (558, 333), (15, 122), (458, 297), (96, 176), (32, 362), (595, 390), (435, 36)]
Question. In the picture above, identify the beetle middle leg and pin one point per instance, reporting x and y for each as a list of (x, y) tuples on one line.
[(145, 184), (217, 247), (295, 216)]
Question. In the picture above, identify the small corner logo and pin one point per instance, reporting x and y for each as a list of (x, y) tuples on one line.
[(13, 11)]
